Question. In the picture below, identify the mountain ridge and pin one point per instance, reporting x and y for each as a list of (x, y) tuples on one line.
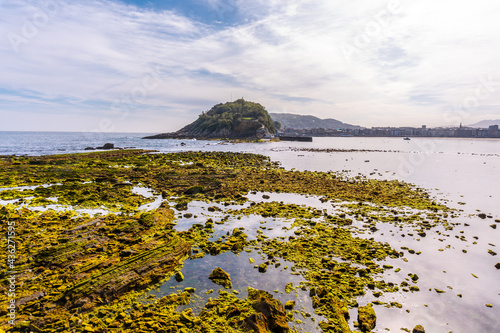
[(307, 122), (485, 123)]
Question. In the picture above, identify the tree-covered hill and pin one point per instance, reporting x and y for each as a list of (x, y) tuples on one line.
[(233, 120)]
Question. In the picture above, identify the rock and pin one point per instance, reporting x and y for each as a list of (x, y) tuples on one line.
[(497, 265), (289, 305), (89, 148), (107, 146), (262, 268), (233, 312), (186, 316), (256, 322), (30, 298), (127, 253), (418, 329), (220, 277), (366, 318), (179, 277), (493, 226), (271, 308), (129, 273), (194, 190), (482, 216)]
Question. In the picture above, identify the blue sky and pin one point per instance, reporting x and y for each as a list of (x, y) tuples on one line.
[(153, 66)]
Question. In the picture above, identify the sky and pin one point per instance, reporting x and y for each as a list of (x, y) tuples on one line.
[(154, 66)]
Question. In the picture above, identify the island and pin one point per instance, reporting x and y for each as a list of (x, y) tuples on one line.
[(232, 120)]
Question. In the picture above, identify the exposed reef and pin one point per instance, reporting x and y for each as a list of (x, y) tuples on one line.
[(81, 272)]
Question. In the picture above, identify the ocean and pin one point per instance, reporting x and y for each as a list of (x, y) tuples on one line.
[(462, 173)]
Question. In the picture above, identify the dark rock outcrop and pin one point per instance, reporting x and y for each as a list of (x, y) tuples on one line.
[(107, 146)]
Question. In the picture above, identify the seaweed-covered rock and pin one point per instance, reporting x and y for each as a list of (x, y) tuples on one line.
[(366, 318), (497, 265), (128, 274), (289, 305), (221, 277), (256, 322), (271, 308), (418, 329), (179, 276)]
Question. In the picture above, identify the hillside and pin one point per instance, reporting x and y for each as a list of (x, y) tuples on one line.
[(233, 120), (485, 123), (295, 121)]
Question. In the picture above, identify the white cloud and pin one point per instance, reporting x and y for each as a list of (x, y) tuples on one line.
[(409, 64)]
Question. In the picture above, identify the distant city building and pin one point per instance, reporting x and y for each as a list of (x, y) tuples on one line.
[(445, 132)]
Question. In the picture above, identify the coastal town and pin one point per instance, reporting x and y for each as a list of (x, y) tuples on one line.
[(451, 132)]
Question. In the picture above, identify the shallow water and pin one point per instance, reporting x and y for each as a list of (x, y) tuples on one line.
[(243, 273)]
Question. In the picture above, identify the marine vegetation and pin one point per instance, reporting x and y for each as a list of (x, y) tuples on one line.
[(78, 270)]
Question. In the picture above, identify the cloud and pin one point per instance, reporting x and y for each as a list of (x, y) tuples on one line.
[(365, 62)]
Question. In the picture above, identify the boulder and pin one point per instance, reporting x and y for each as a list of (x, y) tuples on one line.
[(107, 146), (418, 329), (366, 318), (256, 322), (179, 276), (271, 308), (497, 265), (289, 305), (221, 277)]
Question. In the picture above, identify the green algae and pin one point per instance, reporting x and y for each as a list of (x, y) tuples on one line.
[(87, 273), (81, 263), (366, 318), (219, 176), (221, 277)]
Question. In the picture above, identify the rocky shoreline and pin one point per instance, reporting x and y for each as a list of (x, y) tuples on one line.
[(90, 273)]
